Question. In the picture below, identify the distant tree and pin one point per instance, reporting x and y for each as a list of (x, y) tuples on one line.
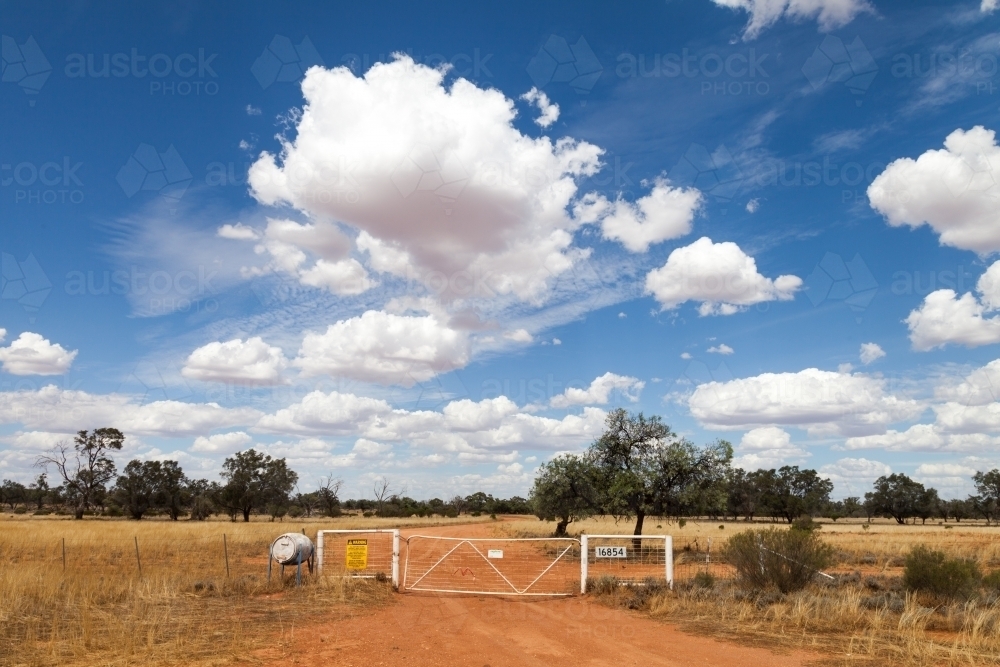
[(986, 502), (747, 491), (852, 506), (478, 502), (643, 468), (565, 491), (12, 493), (928, 505), (797, 492), (39, 490), (136, 488), (171, 489), (329, 494), (896, 496), (383, 490), (86, 467), (254, 482), (458, 503), (202, 496)]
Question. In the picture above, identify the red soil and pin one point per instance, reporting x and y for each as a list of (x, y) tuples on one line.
[(418, 630)]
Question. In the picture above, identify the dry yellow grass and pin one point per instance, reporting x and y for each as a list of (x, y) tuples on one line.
[(854, 622), (183, 609)]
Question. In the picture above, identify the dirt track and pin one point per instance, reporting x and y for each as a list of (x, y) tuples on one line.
[(423, 630)]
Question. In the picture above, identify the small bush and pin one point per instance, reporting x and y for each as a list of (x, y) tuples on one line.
[(704, 580), (602, 585), (681, 523), (991, 581), (21, 510), (771, 558), (932, 571), (806, 523)]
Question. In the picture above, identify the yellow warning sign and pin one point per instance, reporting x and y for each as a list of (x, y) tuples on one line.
[(357, 554)]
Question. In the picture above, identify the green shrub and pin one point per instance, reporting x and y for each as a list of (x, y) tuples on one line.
[(806, 523), (991, 581), (932, 571), (21, 510), (772, 558)]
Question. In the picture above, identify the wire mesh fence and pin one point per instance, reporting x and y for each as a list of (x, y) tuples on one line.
[(359, 553), (208, 557), (497, 566)]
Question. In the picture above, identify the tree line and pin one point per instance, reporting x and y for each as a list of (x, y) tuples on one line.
[(636, 469), (252, 483), (639, 468)]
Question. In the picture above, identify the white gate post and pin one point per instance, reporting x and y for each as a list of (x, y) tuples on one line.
[(583, 564), (395, 558), (319, 552), (668, 547)]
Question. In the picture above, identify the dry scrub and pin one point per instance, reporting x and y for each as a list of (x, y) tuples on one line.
[(183, 609), (864, 617)]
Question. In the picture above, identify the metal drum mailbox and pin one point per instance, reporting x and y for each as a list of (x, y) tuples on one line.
[(291, 549)]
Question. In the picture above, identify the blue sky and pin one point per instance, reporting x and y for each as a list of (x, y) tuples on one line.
[(439, 245)]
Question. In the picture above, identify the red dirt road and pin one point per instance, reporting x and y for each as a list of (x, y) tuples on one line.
[(421, 630)]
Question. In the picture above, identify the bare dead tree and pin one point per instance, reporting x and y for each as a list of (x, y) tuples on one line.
[(329, 494), (383, 490), (85, 467)]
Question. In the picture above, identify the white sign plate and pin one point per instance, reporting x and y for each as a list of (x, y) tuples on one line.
[(610, 552), (494, 553)]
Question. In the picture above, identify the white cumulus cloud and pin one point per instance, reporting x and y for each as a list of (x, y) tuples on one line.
[(462, 431), (549, 111), (385, 348), (665, 213), (824, 402), (433, 173), (768, 447), (65, 410), (944, 317), (853, 477), (251, 361), (722, 348), (954, 190), (599, 391), (719, 275), (870, 353), (221, 443), (31, 354), (830, 14)]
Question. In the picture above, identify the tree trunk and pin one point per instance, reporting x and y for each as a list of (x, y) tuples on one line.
[(78, 514), (637, 544), (246, 515), (561, 527)]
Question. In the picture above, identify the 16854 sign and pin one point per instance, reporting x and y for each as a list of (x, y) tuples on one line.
[(610, 552)]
